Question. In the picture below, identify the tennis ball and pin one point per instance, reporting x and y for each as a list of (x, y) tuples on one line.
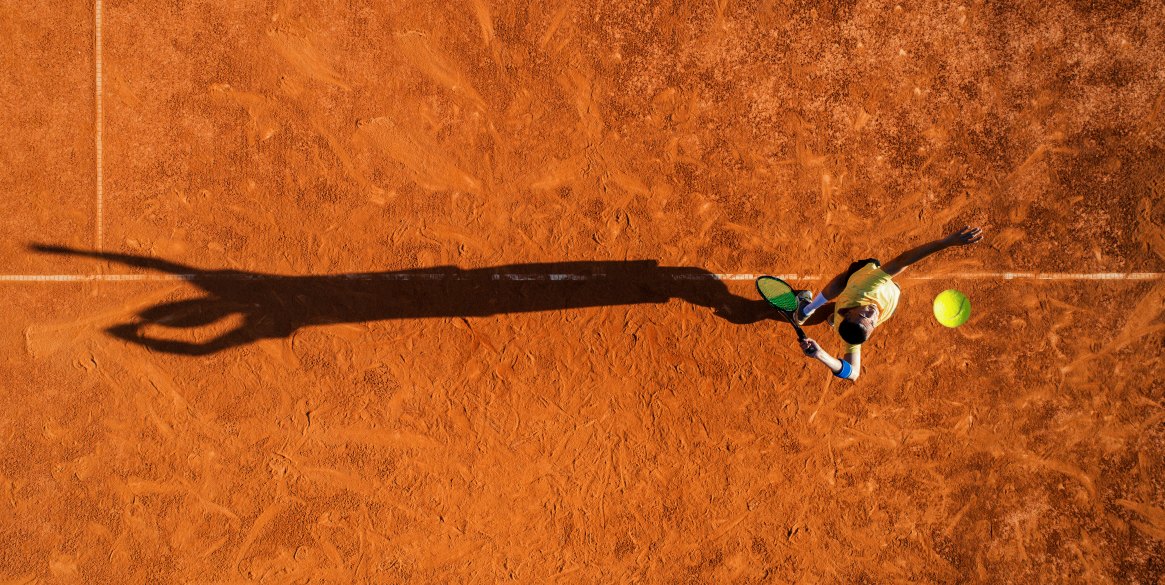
[(952, 308)]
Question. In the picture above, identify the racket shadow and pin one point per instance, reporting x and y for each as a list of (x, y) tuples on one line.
[(262, 306)]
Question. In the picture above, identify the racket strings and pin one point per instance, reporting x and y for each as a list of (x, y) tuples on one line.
[(778, 294)]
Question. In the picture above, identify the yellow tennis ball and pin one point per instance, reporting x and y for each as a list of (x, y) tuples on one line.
[(952, 308)]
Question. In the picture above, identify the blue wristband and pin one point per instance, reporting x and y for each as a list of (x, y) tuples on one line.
[(845, 371)]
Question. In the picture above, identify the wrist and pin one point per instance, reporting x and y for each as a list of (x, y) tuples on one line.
[(845, 370)]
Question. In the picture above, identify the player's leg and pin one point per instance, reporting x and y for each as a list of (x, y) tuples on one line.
[(832, 289), (836, 285)]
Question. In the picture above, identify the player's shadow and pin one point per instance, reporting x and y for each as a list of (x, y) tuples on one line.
[(253, 306)]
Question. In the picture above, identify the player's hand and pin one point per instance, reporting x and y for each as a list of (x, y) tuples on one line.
[(811, 348), (966, 236)]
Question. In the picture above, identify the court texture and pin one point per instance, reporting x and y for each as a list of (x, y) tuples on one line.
[(462, 292)]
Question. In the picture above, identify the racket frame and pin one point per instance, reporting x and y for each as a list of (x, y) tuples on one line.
[(788, 315)]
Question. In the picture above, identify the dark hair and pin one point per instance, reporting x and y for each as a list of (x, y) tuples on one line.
[(852, 332)]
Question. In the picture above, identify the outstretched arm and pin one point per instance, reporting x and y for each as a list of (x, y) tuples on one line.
[(967, 235)]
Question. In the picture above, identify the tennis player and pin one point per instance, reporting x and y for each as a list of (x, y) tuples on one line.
[(866, 297)]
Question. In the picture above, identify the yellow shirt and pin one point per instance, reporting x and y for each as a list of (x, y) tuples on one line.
[(868, 286)]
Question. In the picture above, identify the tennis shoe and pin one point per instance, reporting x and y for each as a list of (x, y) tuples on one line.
[(804, 297)]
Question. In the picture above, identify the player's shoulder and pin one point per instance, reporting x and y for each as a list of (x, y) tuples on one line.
[(880, 276), (870, 276)]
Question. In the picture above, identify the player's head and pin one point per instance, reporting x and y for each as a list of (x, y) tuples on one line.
[(858, 323)]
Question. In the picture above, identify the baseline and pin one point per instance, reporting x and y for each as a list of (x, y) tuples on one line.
[(1062, 276)]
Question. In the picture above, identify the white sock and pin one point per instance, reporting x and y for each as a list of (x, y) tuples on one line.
[(817, 302)]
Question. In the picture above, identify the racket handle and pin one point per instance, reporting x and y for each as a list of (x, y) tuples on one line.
[(792, 321)]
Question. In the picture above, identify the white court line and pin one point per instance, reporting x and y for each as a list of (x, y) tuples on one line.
[(99, 236), (1063, 276), (1046, 276)]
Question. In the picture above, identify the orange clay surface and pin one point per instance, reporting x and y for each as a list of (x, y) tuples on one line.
[(647, 425)]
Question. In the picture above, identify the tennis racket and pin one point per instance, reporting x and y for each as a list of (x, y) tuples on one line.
[(780, 295)]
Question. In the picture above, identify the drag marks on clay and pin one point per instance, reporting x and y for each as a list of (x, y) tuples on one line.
[(44, 340), (555, 23), (443, 235), (300, 52), (377, 438), (1139, 323), (579, 85), (484, 20), (1149, 231), (266, 517), (441, 69), (375, 194), (144, 374), (1152, 516), (1086, 480), (262, 123), (419, 153), (1006, 238), (178, 496), (560, 173)]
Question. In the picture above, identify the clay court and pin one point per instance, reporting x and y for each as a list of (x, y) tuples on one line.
[(346, 292)]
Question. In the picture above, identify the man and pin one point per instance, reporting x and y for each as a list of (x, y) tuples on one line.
[(866, 297)]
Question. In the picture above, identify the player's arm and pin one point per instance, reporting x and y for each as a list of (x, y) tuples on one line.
[(842, 369), (963, 237), (854, 359)]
